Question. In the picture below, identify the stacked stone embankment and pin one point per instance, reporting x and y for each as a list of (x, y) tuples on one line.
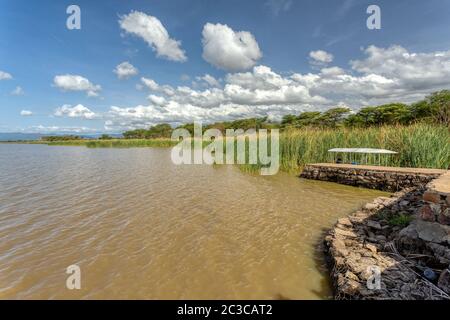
[(371, 177), (395, 247)]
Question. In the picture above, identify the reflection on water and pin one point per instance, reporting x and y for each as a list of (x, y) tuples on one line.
[(140, 227)]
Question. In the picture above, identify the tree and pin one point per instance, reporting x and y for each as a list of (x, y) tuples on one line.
[(61, 138), (393, 113), (288, 120), (309, 118), (354, 120), (439, 103), (385, 114), (105, 137), (333, 117), (162, 130)]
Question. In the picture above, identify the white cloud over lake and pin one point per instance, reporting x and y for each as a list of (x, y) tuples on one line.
[(229, 50), (125, 70), (70, 82), (5, 75), (152, 31), (78, 111), (26, 113), (320, 57), (383, 75)]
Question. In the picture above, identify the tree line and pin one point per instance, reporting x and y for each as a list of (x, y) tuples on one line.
[(61, 138), (433, 109)]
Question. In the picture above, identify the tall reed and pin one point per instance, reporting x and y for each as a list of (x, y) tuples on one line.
[(419, 145)]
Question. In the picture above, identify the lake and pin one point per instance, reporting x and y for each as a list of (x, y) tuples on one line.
[(140, 227)]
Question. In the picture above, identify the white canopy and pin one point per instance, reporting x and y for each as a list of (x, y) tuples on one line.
[(362, 150)]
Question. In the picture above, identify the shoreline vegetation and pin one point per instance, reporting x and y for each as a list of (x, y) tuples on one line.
[(419, 132), (419, 145)]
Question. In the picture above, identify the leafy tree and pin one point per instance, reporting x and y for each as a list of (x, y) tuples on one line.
[(162, 130), (61, 138), (393, 113), (439, 104), (105, 137), (333, 117), (386, 114), (309, 118), (354, 120), (288, 120)]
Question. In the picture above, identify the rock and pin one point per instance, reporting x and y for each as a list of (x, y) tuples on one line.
[(444, 217), (447, 239), (350, 287), (440, 252), (410, 232), (426, 213), (356, 256), (355, 266), (360, 241), (404, 203), (371, 247), (446, 212), (350, 275), (382, 200), (345, 233), (444, 281), (371, 206), (345, 222), (372, 240), (339, 248), (432, 231), (339, 262), (431, 196), (374, 224)]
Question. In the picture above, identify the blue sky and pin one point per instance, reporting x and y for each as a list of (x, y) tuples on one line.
[(295, 56)]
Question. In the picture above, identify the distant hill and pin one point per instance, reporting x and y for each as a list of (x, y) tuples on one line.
[(17, 136)]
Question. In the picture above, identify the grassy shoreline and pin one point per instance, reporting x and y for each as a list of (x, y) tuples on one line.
[(418, 145)]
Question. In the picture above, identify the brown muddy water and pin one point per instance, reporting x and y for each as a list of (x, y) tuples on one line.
[(140, 227)]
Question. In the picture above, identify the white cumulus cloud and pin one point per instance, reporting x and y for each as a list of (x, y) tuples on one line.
[(152, 31), (208, 80), (384, 75), (320, 57), (70, 82), (229, 50), (5, 75), (125, 70), (78, 111), (26, 113), (60, 130), (412, 71)]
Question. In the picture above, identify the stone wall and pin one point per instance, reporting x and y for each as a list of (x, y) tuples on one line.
[(437, 201), (412, 262), (380, 178), (405, 237)]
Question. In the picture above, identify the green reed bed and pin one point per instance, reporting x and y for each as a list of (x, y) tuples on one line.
[(65, 143), (116, 143), (131, 143), (418, 146)]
